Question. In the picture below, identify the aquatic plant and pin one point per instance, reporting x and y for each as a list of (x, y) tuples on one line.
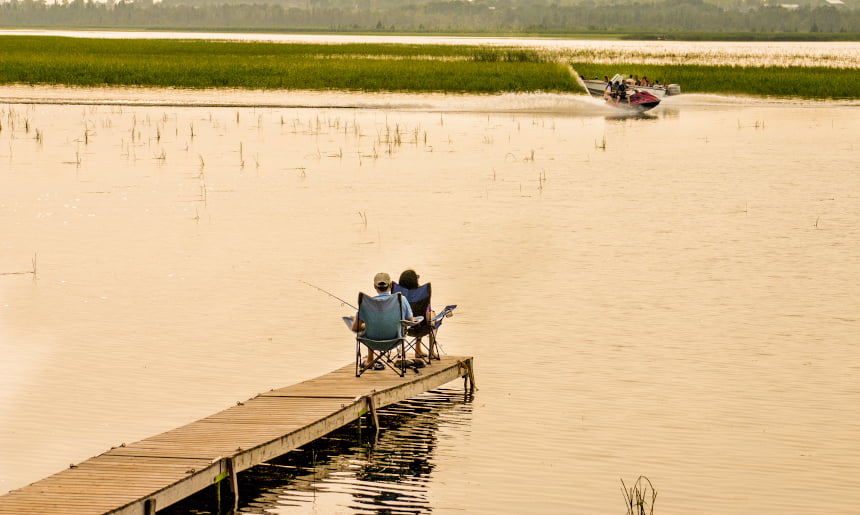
[(33, 271), (639, 498), (495, 54)]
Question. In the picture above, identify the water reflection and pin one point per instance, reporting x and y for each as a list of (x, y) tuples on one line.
[(631, 115), (347, 472)]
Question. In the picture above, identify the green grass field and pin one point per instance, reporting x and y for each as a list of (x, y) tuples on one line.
[(208, 64), (372, 67)]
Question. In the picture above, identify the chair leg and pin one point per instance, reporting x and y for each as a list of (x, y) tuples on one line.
[(383, 358), (419, 350), (432, 347), (358, 369), (360, 366), (410, 345)]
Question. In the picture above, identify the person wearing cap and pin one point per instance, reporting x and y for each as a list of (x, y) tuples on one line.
[(382, 284)]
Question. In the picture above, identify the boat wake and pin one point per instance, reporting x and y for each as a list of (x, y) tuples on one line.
[(537, 103), (705, 100), (550, 103)]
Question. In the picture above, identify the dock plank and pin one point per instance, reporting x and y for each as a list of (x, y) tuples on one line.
[(170, 466)]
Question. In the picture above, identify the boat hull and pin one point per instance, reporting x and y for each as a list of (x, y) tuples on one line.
[(639, 101)]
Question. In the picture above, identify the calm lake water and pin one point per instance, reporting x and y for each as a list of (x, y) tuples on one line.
[(672, 295)]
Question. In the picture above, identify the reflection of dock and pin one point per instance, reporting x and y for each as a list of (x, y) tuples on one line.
[(161, 470), (349, 470)]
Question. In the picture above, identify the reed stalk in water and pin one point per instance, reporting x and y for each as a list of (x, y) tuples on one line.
[(34, 270), (639, 498)]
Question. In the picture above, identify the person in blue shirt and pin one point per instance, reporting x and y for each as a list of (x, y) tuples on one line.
[(382, 284)]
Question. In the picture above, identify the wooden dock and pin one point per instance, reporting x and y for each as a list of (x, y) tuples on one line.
[(158, 471)]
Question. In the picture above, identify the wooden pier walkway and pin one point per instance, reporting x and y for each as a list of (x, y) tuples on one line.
[(158, 471)]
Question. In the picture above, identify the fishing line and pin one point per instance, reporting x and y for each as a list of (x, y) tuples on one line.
[(329, 294)]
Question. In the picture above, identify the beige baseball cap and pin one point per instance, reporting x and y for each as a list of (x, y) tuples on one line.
[(382, 280)]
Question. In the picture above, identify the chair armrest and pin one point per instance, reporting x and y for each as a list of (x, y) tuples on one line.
[(447, 312), (348, 321), (436, 321), (414, 321)]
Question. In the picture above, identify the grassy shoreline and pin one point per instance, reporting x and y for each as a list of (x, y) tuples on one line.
[(254, 65), (50, 60)]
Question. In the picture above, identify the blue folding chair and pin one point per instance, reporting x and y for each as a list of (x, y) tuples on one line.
[(419, 301), (384, 331)]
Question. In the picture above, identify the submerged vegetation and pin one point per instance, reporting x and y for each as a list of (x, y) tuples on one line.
[(392, 67)]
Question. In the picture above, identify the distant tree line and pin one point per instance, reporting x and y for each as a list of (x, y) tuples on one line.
[(670, 16)]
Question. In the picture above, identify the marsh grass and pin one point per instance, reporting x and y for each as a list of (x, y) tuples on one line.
[(639, 498), (779, 81), (213, 64), (740, 36)]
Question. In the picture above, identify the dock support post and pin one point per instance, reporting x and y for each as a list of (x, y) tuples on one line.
[(149, 507), (469, 376), (234, 483), (371, 407)]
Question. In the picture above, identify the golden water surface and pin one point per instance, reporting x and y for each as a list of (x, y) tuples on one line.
[(672, 295)]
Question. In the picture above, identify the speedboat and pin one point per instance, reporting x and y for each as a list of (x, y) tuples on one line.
[(596, 87)]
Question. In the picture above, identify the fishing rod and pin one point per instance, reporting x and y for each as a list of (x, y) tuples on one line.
[(329, 294)]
